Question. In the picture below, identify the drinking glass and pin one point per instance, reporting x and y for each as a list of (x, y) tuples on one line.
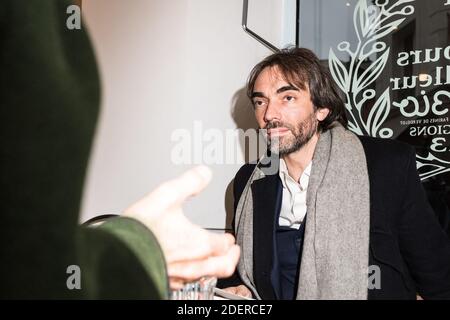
[(202, 289)]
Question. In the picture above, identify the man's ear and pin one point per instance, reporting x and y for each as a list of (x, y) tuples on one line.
[(322, 113)]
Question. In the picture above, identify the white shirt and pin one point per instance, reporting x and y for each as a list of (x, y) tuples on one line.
[(293, 205)]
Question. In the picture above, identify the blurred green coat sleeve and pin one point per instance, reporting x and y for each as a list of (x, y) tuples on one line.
[(122, 258), (49, 103)]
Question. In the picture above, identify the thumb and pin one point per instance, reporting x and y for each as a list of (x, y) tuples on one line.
[(172, 193)]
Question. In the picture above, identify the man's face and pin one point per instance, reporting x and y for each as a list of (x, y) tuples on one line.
[(286, 111)]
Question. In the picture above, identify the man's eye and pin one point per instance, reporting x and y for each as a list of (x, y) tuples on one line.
[(289, 98), (258, 103)]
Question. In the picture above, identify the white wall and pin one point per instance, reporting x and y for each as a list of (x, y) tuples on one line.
[(165, 64)]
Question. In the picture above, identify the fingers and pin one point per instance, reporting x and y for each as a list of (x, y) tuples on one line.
[(232, 290), (189, 183), (194, 243), (203, 245), (217, 266), (243, 291), (240, 290), (219, 243), (176, 283), (172, 193)]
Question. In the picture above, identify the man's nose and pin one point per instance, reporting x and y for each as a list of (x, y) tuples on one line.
[(272, 112)]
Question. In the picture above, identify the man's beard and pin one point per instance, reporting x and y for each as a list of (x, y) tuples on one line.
[(301, 135)]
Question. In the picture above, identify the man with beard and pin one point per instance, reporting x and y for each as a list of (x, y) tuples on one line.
[(343, 217)]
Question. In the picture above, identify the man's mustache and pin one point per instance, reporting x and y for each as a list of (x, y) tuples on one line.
[(277, 124)]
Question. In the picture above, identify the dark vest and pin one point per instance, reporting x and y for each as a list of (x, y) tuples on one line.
[(287, 257)]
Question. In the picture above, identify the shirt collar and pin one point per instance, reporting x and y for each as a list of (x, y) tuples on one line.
[(284, 175)]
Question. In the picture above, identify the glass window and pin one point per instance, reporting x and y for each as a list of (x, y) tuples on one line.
[(390, 59)]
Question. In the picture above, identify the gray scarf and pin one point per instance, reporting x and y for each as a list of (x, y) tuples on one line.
[(334, 263)]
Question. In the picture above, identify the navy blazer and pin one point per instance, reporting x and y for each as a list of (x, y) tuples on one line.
[(406, 240)]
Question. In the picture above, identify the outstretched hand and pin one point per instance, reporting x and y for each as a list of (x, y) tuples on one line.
[(190, 251)]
